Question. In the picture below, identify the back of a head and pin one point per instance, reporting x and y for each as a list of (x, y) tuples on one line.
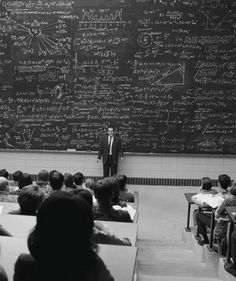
[(4, 185), (68, 180), (16, 175), (90, 183), (56, 180), (224, 181), (43, 175), (206, 183), (103, 190), (63, 229), (84, 194), (232, 189), (78, 178), (4, 173), (122, 180), (24, 180), (29, 199)]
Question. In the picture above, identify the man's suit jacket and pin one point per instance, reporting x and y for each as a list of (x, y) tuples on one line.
[(104, 149)]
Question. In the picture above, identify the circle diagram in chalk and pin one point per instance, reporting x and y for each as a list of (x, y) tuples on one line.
[(145, 39)]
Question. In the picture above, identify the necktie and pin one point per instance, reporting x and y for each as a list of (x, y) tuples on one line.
[(110, 139)]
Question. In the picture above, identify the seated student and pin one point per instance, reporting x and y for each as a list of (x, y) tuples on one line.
[(16, 176), (104, 192), (115, 201), (68, 182), (3, 275), (124, 194), (24, 180), (231, 267), (60, 244), (43, 182), (101, 235), (4, 173), (30, 198), (78, 179), (56, 180), (4, 191), (89, 185), (203, 219), (222, 220)]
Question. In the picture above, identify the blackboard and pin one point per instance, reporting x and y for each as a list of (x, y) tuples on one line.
[(162, 72)]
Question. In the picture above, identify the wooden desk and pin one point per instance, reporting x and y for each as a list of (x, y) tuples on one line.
[(190, 202), (19, 226), (7, 207), (230, 211), (120, 260)]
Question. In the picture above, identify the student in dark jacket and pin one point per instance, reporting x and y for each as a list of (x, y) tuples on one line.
[(124, 194), (103, 191), (60, 246)]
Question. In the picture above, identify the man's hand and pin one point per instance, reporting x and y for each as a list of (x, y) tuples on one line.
[(98, 160)]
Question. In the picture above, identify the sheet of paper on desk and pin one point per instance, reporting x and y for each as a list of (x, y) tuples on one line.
[(128, 208), (1, 208), (209, 199)]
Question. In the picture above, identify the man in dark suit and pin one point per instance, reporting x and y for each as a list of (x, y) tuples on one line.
[(109, 150)]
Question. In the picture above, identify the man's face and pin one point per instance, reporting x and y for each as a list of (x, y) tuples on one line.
[(110, 132)]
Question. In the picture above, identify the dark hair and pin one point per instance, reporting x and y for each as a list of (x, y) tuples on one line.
[(224, 181), (103, 190), (43, 175), (24, 180), (56, 180), (78, 178), (60, 241), (68, 180), (16, 175), (4, 173), (29, 199), (122, 180), (84, 194), (206, 183)]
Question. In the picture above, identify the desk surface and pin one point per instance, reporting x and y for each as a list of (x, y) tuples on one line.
[(230, 210), (188, 197), (7, 207), (19, 226), (120, 260)]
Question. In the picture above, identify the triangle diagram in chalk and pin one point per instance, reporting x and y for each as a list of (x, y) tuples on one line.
[(175, 77)]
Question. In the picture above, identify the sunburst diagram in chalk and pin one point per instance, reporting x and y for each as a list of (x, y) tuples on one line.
[(40, 36)]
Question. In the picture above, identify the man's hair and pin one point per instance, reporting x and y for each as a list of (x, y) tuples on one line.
[(78, 178), (206, 183), (122, 180), (68, 180), (24, 180), (56, 180), (90, 183), (43, 175), (4, 173), (29, 199), (224, 181), (16, 175), (103, 190), (3, 184)]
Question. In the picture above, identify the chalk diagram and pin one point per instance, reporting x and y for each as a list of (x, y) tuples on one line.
[(214, 23), (80, 68), (56, 92), (39, 36), (161, 123), (26, 132), (174, 77), (145, 39), (102, 18)]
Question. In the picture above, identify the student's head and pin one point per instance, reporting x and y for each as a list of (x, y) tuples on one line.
[(232, 189), (16, 175), (56, 180), (30, 198), (89, 183), (84, 194), (43, 176), (4, 185), (224, 181), (206, 183), (115, 188), (122, 180), (4, 173), (78, 178), (24, 180), (103, 190), (68, 180), (62, 233), (110, 131)]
